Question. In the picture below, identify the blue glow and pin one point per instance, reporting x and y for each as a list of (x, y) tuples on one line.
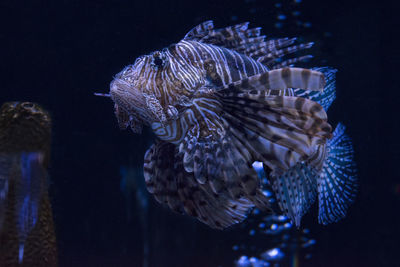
[(287, 225), (274, 227), (274, 254), (278, 25), (256, 211), (282, 218), (29, 193), (307, 24), (297, 1), (21, 253), (309, 243), (252, 232), (258, 263), (243, 262), (258, 166), (267, 193), (278, 5), (281, 17), (296, 13)]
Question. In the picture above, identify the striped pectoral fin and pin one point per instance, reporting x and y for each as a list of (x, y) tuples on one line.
[(169, 182), (295, 123), (337, 183), (281, 79), (222, 164), (159, 174), (328, 95), (200, 201)]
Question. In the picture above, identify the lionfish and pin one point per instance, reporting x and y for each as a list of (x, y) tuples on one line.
[(220, 100), (27, 236)]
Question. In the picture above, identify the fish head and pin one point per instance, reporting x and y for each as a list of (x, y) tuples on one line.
[(143, 92)]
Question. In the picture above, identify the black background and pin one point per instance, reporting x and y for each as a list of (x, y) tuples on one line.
[(58, 53)]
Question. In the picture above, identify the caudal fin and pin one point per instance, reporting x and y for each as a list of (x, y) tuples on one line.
[(337, 182)]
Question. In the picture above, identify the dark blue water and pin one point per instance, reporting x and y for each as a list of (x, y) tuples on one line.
[(59, 53)]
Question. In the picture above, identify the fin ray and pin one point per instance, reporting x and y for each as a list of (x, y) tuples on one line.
[(337, 184)]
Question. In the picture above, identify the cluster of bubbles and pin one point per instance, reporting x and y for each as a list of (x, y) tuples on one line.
[(282, 243)]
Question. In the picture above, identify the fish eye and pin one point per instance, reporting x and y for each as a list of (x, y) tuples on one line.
[(159, 60)]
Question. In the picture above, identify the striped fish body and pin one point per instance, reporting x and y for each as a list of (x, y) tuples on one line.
[(157, 87), (219, 100)]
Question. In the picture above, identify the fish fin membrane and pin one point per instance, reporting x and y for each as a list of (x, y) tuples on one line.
[(337, 183), (250, 42), (159, 174), (281, 132), (279, 80), (296, 191), (296, 123), (215, 156), (328, 95), (183, 192), (200, 31)]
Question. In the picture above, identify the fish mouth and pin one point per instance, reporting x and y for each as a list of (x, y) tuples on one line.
[(126, 119), (129, 102)]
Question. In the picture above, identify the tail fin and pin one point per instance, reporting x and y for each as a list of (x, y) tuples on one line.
[(337, 183)]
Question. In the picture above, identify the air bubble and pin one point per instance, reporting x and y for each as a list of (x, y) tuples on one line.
[(274, 254)]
